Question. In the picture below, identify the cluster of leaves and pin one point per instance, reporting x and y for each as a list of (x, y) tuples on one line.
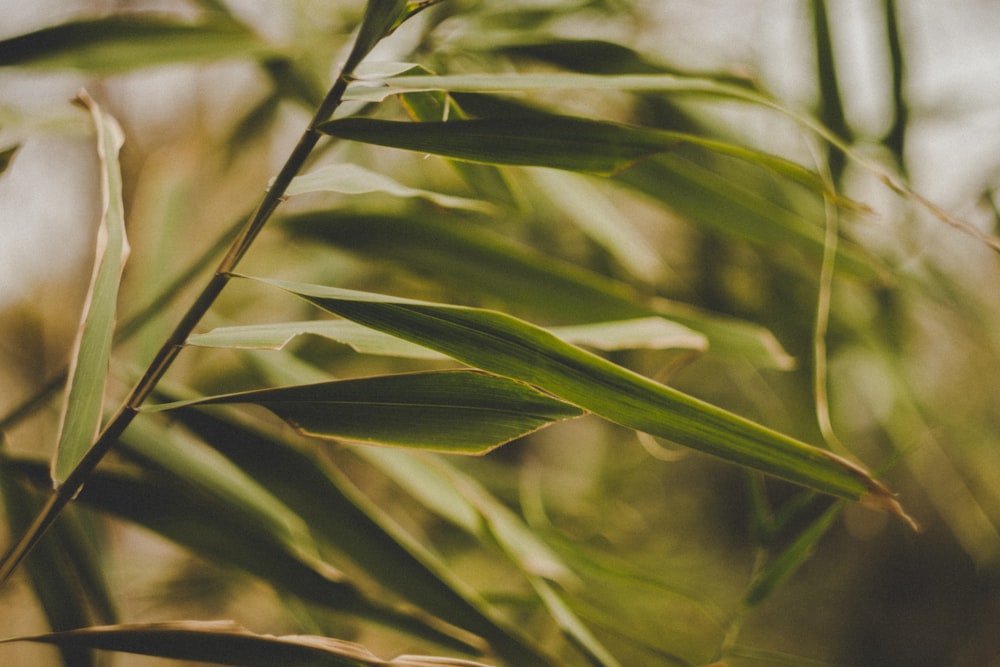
[(530, 291)]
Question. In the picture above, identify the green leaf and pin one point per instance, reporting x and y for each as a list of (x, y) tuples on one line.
[(487, 180), (504, 345), (487, 263), (559, 142), (63, 569), (777, 571), (669, 83), (352, 179), (92, 348), (381, 18), (515, 83), (587, 206), (528, 552), (279, 334), (226, 643), (733, 205), (218, 528), (653, 333), (184, 457), (169, 506), (126, 42), (572, 626), (453, 411), (460, 499)]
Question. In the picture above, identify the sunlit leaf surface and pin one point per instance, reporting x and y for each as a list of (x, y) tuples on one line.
[(354, 179), (653, 333)]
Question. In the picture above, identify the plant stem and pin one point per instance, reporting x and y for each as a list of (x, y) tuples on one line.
[(168, 352)]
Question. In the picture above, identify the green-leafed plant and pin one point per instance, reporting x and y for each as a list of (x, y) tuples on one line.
[(454, 257)]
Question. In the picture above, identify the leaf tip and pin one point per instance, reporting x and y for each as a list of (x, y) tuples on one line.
[(882, 499)]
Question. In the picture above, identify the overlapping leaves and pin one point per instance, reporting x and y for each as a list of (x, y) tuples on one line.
[(504, 345)]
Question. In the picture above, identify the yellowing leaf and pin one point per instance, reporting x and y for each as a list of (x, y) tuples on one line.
[(92, 349)]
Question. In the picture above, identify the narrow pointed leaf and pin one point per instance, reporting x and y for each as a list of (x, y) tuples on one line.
[(492, 265), (126, 42), (435, 483), (590, 209), (92, 348), (457, 411), (62, 570), (184, 457), (487, 180), (571, 626), (653, 333), (354, 179), (786, 563), (539, 140), (349, 523), (478, 83), (165, 506), (277, 335), (225, 533), (731, 206), (502, 344), (381, 18), (226, 643)]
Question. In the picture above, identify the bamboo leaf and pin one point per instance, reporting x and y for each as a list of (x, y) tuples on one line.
[(591, 210), (92, 348), (63, 569), (381, 18), (460, 499), (228, 533), (454, 411), (487, 263), (670, 83), (572, 626), (349, 523), (502, 344), (226, 643), (277, 335), (652, 333), (540, 140), (201, 466), (125, 42), (549, 81), (487, 180), (352, 179), (732, 206), (778, 570), (165, 506)]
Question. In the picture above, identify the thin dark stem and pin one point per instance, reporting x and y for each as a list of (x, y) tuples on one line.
[(168, 352)]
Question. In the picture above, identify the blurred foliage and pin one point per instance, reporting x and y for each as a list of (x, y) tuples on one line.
[(794, 281)]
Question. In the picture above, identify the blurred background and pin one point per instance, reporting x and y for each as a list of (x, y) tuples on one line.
[(665, 541)]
